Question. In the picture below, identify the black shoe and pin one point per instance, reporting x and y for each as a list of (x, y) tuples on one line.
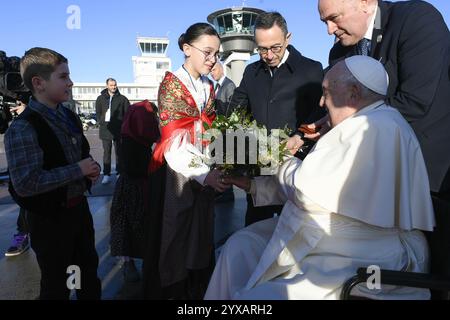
[(20, 244)]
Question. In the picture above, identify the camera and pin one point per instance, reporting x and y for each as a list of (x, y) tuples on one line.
[(12, 88)]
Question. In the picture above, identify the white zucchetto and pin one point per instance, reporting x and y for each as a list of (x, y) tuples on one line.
[(369, 72)]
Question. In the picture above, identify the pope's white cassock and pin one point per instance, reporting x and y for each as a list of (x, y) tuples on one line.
[(359, 198)]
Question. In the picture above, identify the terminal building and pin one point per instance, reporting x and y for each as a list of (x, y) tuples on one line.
[(235, 26), (149, 69)]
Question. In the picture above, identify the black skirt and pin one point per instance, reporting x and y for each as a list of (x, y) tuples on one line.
[(179, 257), (127, 217)]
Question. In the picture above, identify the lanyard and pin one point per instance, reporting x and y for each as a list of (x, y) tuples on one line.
[(195, 88)]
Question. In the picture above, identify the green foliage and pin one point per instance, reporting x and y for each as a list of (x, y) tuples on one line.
[(271, 149)]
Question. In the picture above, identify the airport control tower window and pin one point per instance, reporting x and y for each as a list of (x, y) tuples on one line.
[(247, 23), (220, 25), (153, 47), (237, 22), (228, 23)]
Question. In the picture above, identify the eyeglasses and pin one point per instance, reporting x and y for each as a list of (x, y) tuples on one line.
[(208, 55), (274, 49)]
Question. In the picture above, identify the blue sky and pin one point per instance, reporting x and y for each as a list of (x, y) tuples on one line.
[(106, 41)]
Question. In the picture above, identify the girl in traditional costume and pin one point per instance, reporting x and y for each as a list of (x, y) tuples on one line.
[(180, 255)]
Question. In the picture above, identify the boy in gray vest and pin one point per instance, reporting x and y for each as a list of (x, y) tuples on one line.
[(50, 170)]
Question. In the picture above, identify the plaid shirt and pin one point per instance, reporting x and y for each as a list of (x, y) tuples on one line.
[(25, 157)]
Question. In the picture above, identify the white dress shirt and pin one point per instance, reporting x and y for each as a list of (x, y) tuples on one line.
[(283, 61)]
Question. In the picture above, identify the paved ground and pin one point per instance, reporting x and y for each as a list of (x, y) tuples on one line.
[(19, 276)]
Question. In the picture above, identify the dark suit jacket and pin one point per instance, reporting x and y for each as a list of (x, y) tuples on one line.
[(119, 105), (223, 96), (412, 40), (290, 98)]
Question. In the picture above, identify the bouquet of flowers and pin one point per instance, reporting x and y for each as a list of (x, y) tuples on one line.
[(239, 145)]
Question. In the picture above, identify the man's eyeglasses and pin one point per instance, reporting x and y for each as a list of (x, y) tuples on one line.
[(208, 55), (274, 49)]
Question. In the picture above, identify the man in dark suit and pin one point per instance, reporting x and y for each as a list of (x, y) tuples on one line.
[(224, 89), (282, 88), (110, 109), (412, 40)]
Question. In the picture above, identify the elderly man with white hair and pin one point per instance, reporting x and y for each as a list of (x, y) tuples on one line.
[(361, 197)]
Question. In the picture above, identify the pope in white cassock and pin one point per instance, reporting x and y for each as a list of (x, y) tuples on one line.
[(361, 197)]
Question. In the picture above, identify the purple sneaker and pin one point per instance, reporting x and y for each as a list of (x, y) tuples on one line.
[(20, 244)]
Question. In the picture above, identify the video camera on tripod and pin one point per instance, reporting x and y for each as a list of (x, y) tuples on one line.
[(12, 88)]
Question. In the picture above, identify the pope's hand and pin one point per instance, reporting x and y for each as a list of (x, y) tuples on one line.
[(294, 143)]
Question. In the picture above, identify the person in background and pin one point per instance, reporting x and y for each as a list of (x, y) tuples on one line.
[(130, 203), (223, 89), (21, 240), (110, 109)]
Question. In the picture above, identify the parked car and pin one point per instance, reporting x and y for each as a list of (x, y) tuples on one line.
[(88, 120)]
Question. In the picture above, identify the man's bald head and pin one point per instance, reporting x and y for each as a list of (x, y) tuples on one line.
[(217, 71), (347, 20)]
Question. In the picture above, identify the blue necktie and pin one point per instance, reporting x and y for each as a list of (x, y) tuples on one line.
[(363, 47)]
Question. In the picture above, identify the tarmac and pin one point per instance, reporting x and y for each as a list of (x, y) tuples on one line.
[(20, 275)]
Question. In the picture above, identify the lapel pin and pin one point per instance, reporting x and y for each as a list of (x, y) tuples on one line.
[(379, 38)]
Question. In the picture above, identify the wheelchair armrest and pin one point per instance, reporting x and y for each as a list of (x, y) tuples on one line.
[(398, 278)]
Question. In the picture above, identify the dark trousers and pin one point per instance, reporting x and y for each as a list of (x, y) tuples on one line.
[(440, 238), (64, 240), (107, 147), (439, 241), (22, 225), (255, 214)]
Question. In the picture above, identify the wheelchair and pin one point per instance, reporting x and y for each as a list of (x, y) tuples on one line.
[(438, 280)]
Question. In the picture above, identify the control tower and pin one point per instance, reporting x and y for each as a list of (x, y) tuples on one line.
[(236, 30), (151, 65)]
